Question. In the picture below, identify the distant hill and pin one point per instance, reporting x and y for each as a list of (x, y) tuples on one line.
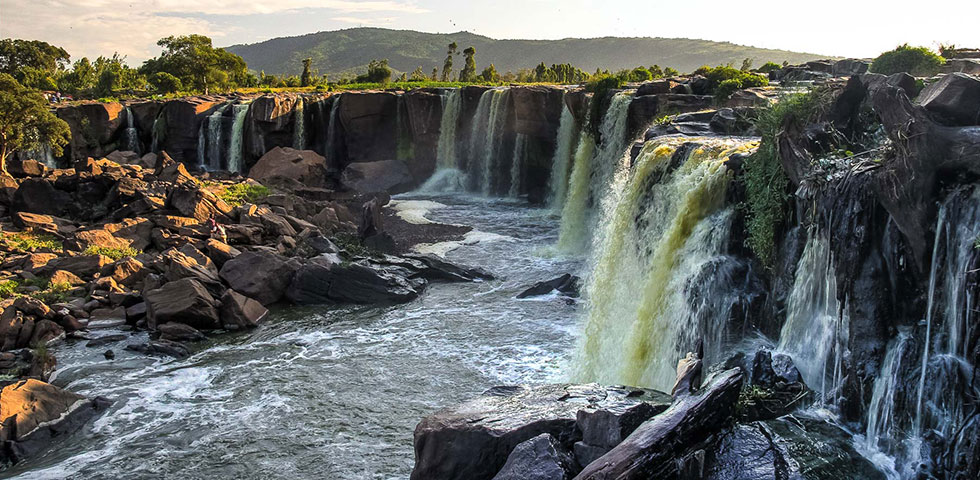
[(349, 51)]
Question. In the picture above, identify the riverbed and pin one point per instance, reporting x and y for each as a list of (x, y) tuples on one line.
[(327, 392)]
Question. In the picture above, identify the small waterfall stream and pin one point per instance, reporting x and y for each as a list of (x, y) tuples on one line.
[(597, 177), (487, 137), (130, 140), (517, 165), (815, 332), (562, 161), (449, 175), (239, 112), (299, 127), (209, 139)]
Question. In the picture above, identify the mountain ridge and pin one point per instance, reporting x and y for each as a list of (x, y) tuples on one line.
[(348, 51)]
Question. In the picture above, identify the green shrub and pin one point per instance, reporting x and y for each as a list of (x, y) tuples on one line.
[(918, 61), (765, 181), (54, 293), (30, 241), (240, 193), (113, 253), (768, 67), (724, 80), (7, 288)]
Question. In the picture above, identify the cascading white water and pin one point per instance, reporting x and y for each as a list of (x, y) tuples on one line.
[(492, 140), (209, 140), (448, 177), (562, 160), (331, 148), (155, 133), (239, 113), (130, 140), (517, 165), (671, 225), (816, 327), (598, 175), (299, 125)]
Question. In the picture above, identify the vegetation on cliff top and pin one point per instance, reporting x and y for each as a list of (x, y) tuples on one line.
[(26, 123), (918, 61)]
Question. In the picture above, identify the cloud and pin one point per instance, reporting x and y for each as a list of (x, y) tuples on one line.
[(100, 27)]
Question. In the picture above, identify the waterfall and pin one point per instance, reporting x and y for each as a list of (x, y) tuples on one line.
[(209, 140), (666, 237), (299, 125), (486, 137), (155, 133), (130, 140), (816, 327), (331, 149), (446, 150), (517, 165), (597, 177), (882, 415), (239, 112), (561, 162)]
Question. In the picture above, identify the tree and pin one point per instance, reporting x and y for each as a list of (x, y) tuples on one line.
[(468, 73), (114, 75), (640, 74), (197, 64), (447, 66), (403, 78), (746, 65), (81, 77), (435, 74), (26, 122), (16, 55), (418, 75), (490, 74), (377, 72), (164, 82), (656, 71), (671, 72), (307, 78)]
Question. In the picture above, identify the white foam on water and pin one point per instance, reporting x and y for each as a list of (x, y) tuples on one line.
[(415, 211)]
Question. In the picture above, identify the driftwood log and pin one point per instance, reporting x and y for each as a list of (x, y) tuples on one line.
[(652, 449)]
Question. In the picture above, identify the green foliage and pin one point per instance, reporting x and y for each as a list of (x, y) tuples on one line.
[(115, 76), (240, 193), (918, 61), (600, 85), (640, 74), (197, 64), (490, 75), (377, 72), (765, 181), (348, 242), (8, 288), (418, 75), (656, 72), (746, 65), (749, 397), (468, 73), (28, 241), (723, 80), (768, 68), (306, 79), (53, 292), (447, 66), (35, 64), (26, 122), (111, 252), (164, 82)]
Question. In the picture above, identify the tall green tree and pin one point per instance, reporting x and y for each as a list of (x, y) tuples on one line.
[(418, 75), (447, 66), (26, 121), (468, 73), (32, 63), (435, 74), (198, 65), (307, 78), (490, 74)]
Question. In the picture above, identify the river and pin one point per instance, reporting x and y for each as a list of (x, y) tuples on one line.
[(326, 392)]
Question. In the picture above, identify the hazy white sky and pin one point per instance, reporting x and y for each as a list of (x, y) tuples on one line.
[(857, 28)]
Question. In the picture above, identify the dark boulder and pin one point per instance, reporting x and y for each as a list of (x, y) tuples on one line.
[(369, 122), (303, 166), (388, 176), (161, 347), (239, 311), (37, 195), (179, 332), (540, 458), (261, 275), (566, 284), (326, 281), (185, 301), (955, 99)]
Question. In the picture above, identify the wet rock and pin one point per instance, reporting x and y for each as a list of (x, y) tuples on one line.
[(179, 332), (391, 176), (184, 300), (109, 355), (261, 275), (566, 284), (369, 121), (656, 87), (34, 413), (161, 347), (239, 311), (324, 281), (473, 440), (304, 166), (652, 450), (437, 269), (540, 458), (105, 340), (955, 98)]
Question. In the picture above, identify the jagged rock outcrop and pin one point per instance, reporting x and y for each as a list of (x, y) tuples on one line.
[(303, 166)]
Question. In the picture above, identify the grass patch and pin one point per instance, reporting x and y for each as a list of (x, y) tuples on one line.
[(28, 241), (240, 193), (113, 253), (349, 243), (766, 183), (54, 293), (8, 288)]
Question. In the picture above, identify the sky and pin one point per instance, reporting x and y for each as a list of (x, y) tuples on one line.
[(847, 28)]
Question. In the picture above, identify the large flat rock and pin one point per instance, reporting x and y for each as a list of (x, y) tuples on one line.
[(473, 440)]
